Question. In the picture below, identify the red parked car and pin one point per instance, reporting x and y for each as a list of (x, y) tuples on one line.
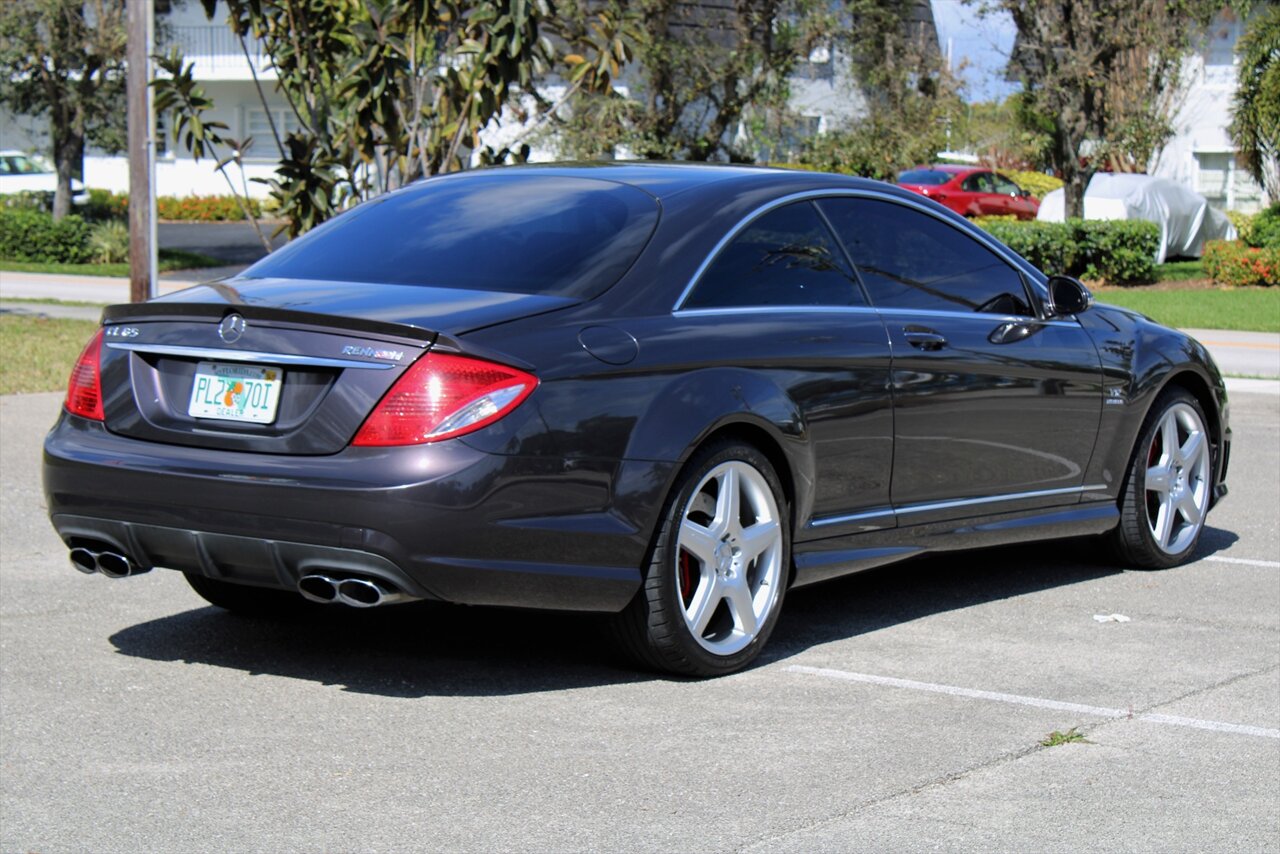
[(970, 191)]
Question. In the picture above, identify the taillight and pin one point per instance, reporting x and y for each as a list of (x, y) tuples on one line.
[(441, 396), (84, 389)]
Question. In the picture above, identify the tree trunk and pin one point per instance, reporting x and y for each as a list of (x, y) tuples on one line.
[(68, 160), (1074, 177)]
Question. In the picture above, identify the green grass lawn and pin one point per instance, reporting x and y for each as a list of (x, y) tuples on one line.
[(170, 259), (48, 349), (1180, 271), (1248, 309)]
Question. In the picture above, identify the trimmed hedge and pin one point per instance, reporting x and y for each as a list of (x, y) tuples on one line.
[(32, 235), (1119, 252), (204, 208), (104, 205), (1234, 264)]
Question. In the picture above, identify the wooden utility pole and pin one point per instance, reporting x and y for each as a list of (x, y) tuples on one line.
[(142, 206)]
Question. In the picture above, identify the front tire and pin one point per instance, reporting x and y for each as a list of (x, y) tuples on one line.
[(1168, 487), (718, 567)]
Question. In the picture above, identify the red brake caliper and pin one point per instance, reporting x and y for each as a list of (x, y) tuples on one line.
[(686, 579)]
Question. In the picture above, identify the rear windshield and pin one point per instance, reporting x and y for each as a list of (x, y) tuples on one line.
[(506, 231), (923, 176)]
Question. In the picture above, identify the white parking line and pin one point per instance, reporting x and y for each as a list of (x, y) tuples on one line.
[(1270, 564), (1036, 702)]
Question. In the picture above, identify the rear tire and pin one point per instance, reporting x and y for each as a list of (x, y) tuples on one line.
[(718, 568), (1168, 486), (244, 599)]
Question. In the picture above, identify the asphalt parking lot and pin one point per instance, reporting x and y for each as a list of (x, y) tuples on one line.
[(902, 709)]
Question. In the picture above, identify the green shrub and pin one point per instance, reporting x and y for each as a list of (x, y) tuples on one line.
[(109, 242), (1265, 230), (32, 200), (1048, 245), (32, 235), (1234, 264), (205, 208), (104, 205), (1118, 252)]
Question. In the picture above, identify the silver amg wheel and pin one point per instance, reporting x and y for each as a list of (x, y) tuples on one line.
[(1169, 485), (729, 549), (717, 570), (1177, 479)]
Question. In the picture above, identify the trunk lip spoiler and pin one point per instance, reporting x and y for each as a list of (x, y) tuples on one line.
[(274, 317)]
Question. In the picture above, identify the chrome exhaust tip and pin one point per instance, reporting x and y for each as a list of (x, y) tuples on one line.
[(318, 588), (84, 560), (363, 593), (114, 565)]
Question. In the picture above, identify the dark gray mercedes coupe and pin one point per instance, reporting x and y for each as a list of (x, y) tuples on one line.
[(668, 392)]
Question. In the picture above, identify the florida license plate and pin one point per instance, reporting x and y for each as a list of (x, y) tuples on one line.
[(233, 392)]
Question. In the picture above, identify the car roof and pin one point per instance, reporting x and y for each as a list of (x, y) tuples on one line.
[(950, 168), (664, 180)]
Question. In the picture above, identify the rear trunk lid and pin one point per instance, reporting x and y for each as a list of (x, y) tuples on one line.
[(279, 366)]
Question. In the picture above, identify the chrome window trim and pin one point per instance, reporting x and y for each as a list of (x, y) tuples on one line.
[(865, 309), (846, 192), (215, 354), (773, 309), (960, 502)]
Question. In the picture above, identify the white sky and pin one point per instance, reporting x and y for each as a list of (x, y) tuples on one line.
[(980, 44)]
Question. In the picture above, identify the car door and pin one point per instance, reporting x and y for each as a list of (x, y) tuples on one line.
[(1015, 201), (994, 408), (985, 201), (780, 297)]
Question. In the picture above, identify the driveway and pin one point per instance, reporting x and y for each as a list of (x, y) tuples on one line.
[(900, 709)]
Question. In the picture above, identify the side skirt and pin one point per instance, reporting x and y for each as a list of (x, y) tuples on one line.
[(820, 560)]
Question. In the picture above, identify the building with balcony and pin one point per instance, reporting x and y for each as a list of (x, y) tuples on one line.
[(1201, 154), (823, 98)]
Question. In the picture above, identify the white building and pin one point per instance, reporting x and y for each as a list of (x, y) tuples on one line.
[(823, 98), (1201, 154)]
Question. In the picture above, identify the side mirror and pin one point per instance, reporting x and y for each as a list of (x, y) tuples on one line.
[(1067, 296)]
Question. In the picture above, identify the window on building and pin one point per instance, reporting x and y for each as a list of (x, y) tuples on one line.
[(1226, 184), (258, 128)]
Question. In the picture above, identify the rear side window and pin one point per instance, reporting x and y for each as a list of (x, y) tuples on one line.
[(498, 231), (923, 176), (786, 257), (908, 259)]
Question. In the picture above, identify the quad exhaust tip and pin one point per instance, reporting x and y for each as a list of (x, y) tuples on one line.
[(355, 592), (106, 560)]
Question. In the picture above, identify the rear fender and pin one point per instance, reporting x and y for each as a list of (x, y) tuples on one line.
[(695, 406)]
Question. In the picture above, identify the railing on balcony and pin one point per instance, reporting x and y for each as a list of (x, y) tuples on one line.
[(215, 46)]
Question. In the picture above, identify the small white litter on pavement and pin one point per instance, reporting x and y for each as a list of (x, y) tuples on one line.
[(1111, 618)]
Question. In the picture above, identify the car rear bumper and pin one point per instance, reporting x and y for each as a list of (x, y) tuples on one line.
[(441, 521)]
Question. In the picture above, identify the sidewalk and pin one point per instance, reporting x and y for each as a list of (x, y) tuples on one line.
[(1251, 354)]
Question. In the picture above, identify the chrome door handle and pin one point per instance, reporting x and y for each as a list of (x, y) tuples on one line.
[(924, 339)]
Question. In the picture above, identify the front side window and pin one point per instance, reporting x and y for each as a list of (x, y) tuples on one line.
[(979, 183), (1005, 186), (908, 259), (786, 257)]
